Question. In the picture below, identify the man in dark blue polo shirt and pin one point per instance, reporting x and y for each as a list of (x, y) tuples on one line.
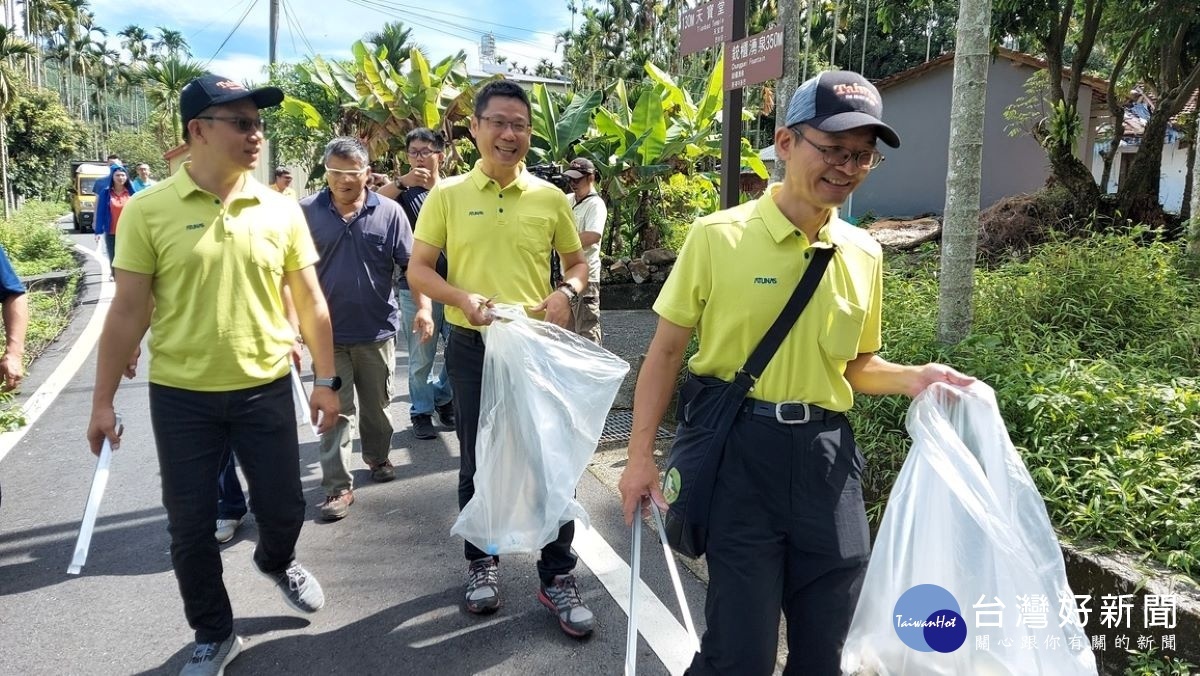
[(362, 238)]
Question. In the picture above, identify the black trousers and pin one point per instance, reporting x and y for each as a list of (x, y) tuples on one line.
[(788, 531), (194, 432), (464, 361)]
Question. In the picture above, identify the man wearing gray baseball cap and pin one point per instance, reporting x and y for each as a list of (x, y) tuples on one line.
[(787, 529)]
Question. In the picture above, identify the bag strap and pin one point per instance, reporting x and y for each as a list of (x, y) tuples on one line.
[(775, 335)]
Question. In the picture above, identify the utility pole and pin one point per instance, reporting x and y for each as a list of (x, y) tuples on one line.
[(274, 40), (731, 118)]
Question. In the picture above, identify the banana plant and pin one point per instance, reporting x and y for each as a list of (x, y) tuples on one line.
[(559, 120), (380, 105)]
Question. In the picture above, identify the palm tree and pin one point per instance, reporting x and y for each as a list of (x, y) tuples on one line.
[(135, 41), (396, 37), (11, 46), (165, 80), (960, 232), (172, 44)]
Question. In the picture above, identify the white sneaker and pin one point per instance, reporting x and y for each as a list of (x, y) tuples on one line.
[(226, 528)]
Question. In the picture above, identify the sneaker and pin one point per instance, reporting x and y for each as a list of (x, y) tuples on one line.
[(383, 472), (445, 414), (337, 506), (561, 598), (209, 659), (483, 586), (300, 589), (422, 426), (226, 528)]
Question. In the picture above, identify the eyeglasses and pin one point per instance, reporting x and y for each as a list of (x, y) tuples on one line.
[(423, 153), (243, 124), (836, 156), (344, 173), (499, 123)]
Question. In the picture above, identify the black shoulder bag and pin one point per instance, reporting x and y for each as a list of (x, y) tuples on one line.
[(707, 408)]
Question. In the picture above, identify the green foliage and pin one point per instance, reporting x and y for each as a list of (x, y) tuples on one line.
[(1084, 345), (137, 146), (42, 139), (32, 242), (683, 199), (1148, 663), (32, 239)]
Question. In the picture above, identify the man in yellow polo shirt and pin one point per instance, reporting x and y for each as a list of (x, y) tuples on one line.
[(497, 225), (787, 525), (203, 258)]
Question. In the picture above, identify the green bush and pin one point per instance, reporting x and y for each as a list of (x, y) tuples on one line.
[(33, 241), (1086, 345)]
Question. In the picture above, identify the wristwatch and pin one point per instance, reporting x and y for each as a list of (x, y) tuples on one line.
[(334, 383), (568, 290)]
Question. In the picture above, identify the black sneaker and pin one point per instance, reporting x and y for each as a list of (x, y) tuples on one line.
[(483, 586), (299, 588), (562, 599), (422, 426), (445, 414), (209, 659)]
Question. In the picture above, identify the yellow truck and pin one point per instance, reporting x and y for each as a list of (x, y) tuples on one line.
[(84, 175)]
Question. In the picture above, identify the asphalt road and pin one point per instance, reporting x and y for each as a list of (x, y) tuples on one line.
[(392, 573)]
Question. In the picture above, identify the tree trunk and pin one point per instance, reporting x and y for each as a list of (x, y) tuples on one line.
[(1186, 210), (1138, 195), (1193, 234), (960, 229), (1070, 172), (793, 59), (4, 163)]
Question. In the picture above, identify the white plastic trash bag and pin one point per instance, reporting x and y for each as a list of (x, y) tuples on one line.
[(546, 395), (966, 576)]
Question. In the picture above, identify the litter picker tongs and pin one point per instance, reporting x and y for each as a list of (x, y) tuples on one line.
[(92, 509), (635, 577)]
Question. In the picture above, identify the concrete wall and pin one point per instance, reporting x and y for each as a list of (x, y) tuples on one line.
[(913, 179)]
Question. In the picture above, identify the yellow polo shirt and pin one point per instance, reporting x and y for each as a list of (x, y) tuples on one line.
[(735, 272), (218, 321), (497, 238)]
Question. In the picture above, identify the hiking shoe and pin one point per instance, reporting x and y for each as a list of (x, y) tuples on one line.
[(422, 427), (299, 588), (337, 506), (561, 598), (209, 659), (226, 528), (483, 586), (383, 472), (445, 414)]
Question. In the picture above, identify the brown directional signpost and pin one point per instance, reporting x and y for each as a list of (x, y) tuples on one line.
[(748, 60)]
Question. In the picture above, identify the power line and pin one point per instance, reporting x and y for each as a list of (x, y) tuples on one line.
[(408, 14), (235, 29), (295, 27)]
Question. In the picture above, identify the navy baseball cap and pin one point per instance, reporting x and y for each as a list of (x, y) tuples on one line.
[(840, 100), (215, 90)]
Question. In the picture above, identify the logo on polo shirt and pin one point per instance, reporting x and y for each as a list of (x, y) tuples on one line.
[(474, 212), (766, 280), (193, 226)]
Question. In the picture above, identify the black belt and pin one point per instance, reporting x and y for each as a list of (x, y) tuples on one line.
[(788, 412)]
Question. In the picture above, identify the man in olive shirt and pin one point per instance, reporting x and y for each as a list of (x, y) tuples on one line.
[(497, 225)]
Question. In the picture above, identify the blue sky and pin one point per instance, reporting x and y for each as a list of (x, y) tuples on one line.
[(523, 28)]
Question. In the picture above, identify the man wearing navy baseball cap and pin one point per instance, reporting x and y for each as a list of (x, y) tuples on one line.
[(203, 257), (787, 528)]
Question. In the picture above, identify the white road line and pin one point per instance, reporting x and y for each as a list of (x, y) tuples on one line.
[(37, 404), (663, 633)]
